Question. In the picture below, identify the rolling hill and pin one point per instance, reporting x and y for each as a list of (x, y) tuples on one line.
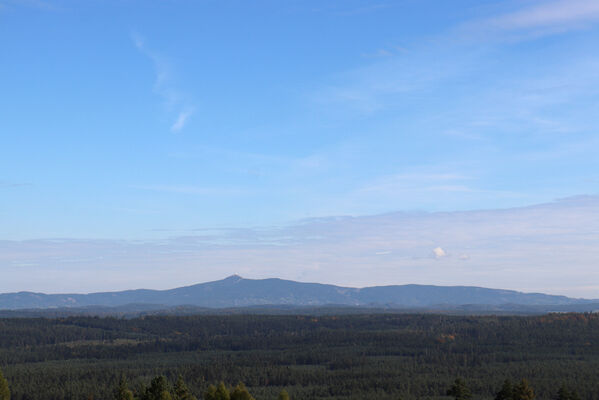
[(236, 291)]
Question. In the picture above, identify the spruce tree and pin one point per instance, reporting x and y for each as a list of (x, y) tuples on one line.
[(566, 394), (219, 392), (506, 392), (459, 390), (523, 391), (122, 392), (158, 390), (283, 395), (181, 391), (210, 393), (4, 390), (222, 393), (240, 392)]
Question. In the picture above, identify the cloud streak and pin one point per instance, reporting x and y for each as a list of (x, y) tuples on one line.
[(541, 19), (6, 184), (190, 189), (181, 120), (562, 13), (175, 102)]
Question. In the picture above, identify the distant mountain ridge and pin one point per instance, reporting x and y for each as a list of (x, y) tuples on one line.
[(236, 291)]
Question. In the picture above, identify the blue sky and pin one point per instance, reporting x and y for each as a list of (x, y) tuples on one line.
[(129, 121)]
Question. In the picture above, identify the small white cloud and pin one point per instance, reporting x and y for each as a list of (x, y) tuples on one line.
[(439, 252), (137, 40), (378, 53), (181, 120)]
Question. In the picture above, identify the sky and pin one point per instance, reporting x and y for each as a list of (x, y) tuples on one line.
[(164, 143)]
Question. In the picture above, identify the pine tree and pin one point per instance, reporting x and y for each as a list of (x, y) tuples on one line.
[(566, 394), (523, 391), (4, 390), (240, 392), (222, 393), (459, 390), (210, 393), (181, 390), (283, 395), (158, 390), (506, 392), (123, 392), (219, 392)]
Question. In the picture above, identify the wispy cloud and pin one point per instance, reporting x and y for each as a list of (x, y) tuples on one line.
[(176, 102), (190, 189), (561, 13), (6, 184), (39, 4), (181, 120), (540, 19), (361, 10), (418, 181), (423, 187)]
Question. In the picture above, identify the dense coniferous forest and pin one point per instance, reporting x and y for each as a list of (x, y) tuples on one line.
[(310, 357)]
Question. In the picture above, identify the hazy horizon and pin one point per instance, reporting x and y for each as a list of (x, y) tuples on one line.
[(488, 248), (274, 277)]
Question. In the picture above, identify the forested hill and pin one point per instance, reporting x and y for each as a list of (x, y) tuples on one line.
[(236, 291)]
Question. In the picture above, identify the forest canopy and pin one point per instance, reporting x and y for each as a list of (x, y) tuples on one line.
[(322, 357)]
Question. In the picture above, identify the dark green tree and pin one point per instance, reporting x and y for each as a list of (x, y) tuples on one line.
[(564, 393), (459, 390), (523, 391), (283, 395), (219, 392), (158, 390), (222, 393), (240, 392), (122, 392), (506, 392), (4, 390), (210, 393), (181, 392)]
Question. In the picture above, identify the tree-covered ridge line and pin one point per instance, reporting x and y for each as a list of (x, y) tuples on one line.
[(160, 389), (313, 357), (510, 391)]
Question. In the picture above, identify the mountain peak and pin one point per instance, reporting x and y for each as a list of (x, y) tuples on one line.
[(233, 278)]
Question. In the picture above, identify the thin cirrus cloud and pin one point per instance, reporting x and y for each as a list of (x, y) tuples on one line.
[(190, 189), (175, 101), (417, 190), (546, 17), (383, 84), (6, 184)]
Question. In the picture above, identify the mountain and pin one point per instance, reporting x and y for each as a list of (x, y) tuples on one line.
[(236, 291)]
